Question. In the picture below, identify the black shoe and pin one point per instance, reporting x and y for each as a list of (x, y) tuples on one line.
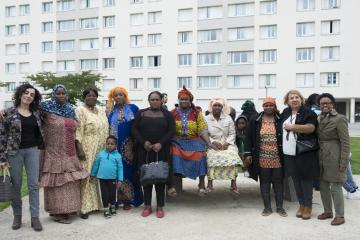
[(266, 212), (16, 223), (281, 212), (84, 215), (35, 224), (107, 213), (112, 210)]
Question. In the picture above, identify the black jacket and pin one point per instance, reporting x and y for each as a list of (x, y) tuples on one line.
[(252, 142)]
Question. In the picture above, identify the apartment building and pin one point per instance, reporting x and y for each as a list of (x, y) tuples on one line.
[(238, 49)]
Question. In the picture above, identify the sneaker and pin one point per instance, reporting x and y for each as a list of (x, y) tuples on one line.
[(281, 212), (112, 210), (353, 196), (107, 213), (266, 212)]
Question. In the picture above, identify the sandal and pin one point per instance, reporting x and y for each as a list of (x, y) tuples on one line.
[(172, 192), (202, 192)]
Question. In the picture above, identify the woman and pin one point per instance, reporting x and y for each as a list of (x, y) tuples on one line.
[(264, 150), (190, 142), (61, 171), (221, 163), (91, 135), (153, 128), (299, 125), (21, 138), (121, 118), (334, 158)]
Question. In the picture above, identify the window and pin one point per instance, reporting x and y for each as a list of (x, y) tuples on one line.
[(305, 29), (47, 27), (47, 47), (24, 9), (136, 41), (109, 21), (10, 11), (65, 5), (268, 56), (267, 80), (330, 27), (209, 59), (241, 57), (46, 7), (208, 82), (268, 31), (10, 49), (108, 63), (88, 23), (109, 3), (136, 83), (10, 68), (305, 5), (185, 59), (136, 62), (213, 35), (65, 66), (241, 33), (47, 66), (330, 4), (66, 45), (136, 1), (242, 9), (24, 29), (10, 30), (10, 86), (154, 83), (88, 64), (66, 25), (136, 19), (154, 39), (305, 54), (24, 67), (154, 17), (88, 3), (330, 53), (268, 7), (184, 37), (185, 15), (154, 61), (210, 12), (108, 42), (184, 81), (240, 81), (329, 79), (89, 44), (24, 48), (305, 79)]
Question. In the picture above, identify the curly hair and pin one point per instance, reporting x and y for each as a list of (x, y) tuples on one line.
[(89, 90), (111, 96), (20, 90), (326, 95)]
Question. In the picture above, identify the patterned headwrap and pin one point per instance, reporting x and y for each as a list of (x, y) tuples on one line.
[(51, 106), (223, 102), (185, 92)]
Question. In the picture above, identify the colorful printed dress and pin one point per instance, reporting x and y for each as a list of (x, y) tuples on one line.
[(130, 191), (268, 155), (92, 131), (188, 149)]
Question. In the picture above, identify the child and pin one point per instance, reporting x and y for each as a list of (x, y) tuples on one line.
[(108, 169), (240, 126)]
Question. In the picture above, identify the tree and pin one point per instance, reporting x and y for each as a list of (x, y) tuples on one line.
[(74, 83)]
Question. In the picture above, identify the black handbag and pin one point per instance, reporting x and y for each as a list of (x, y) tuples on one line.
[(6, 187), (303, 146), (154, 172)]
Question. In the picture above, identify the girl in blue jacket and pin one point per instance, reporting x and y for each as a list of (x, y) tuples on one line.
[(108, 169)]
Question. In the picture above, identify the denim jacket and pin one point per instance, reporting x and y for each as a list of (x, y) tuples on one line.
[(10, 133)]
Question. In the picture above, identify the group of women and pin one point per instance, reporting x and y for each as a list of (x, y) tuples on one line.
[(194, 145)]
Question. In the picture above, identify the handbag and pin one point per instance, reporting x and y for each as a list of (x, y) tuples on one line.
[(6, 187), (154, 172), (303, 146)]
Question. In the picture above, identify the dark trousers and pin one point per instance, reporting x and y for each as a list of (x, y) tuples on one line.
[(160, 194), (303, 187), (108, 191), (272, 176)]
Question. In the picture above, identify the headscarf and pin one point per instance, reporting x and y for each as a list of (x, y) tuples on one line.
[(248, 105), (223, 102), (269, 100), (126, 109), (185, 92), (63, 110)]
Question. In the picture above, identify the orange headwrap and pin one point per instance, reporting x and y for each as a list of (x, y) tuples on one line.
[(269, 100), (185, 92), (111, 96)]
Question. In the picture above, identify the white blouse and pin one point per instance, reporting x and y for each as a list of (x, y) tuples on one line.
[(289, 145)]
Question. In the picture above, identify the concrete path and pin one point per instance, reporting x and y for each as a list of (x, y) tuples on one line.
[(354, 129), (218, 216)]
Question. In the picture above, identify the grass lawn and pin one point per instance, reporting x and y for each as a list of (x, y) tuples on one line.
[(24, 192)]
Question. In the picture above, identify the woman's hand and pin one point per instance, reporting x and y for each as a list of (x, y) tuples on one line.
[(213, 146), (225, 146), (289, 126), (247, 161), (80, 151), (148, 146), (157, 147), (217, 144)]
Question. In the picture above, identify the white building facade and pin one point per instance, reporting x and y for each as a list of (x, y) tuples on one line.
[(238, 49)]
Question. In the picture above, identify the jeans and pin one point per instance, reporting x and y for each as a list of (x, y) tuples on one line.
[(349, 184), (29, 157), (272, 176)]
